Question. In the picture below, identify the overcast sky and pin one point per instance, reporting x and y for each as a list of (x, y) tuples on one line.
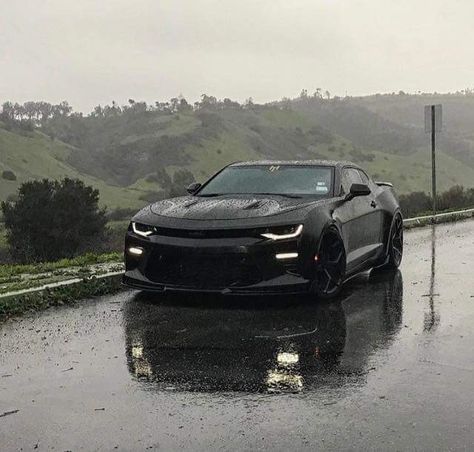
[(95, 51)]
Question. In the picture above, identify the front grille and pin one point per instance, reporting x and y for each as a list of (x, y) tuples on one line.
[(201, 271), (209, 234)]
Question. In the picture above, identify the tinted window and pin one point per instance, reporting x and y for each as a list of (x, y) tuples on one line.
[(350, 176), (364, 177), (271, 179)]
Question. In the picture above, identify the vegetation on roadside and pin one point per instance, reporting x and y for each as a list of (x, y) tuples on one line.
[(419, 203), (68, 294), (7, 271)]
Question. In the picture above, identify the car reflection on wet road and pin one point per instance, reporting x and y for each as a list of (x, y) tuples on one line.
[(258, 345), (388, 365)]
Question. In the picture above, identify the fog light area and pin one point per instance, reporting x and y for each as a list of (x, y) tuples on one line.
[(135, 250), (287, 359), (286, 255)]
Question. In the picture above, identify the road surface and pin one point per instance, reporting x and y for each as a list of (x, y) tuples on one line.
[(388, 365)]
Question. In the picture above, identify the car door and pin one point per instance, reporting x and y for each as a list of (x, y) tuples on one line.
[(358, 222), (376, 213)]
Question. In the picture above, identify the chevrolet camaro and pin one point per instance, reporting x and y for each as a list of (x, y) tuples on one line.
[(267, 227)]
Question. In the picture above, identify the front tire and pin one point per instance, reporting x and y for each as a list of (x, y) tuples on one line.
[(330, 266)]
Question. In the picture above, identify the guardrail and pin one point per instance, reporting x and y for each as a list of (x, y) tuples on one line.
[(438, 218)]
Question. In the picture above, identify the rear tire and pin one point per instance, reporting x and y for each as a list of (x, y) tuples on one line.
[(330, 267), (395, 244)]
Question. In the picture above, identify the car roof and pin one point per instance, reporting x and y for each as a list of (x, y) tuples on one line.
[(332, 163)]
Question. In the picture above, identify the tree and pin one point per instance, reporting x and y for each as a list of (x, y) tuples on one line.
[(415, 203), (454, 198), (181, 179), (304, 94), (53, 219)]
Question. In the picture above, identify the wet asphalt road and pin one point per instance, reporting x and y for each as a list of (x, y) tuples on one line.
[(389, 365)]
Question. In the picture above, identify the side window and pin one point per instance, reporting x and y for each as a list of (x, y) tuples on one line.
[(368, 181), (364, 177), (345, 183), (349, 176)]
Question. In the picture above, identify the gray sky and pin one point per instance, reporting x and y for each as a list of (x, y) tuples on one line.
[(95, 51)]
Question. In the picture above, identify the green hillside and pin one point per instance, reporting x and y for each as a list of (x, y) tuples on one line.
[(35, 156), (124, 151)]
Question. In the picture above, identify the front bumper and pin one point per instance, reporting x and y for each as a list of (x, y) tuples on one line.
[(238, 265)]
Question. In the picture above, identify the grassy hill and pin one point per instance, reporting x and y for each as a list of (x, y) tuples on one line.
[(122, 151), (34, 156)]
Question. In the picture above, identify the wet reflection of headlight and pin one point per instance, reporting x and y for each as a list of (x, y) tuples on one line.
[(137, 351), (284, 380), (142, 368), (287, 359)]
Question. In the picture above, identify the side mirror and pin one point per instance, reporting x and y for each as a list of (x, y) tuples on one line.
[(193, 188), (358, 190)]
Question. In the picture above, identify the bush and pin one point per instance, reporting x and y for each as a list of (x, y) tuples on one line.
[(455, 198), (53, 219), (181, 179), (13, 197), (8, 175), (415, 203)]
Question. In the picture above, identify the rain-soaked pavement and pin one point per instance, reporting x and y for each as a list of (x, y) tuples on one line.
[(388, 365)]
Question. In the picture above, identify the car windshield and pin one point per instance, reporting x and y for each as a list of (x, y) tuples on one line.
[(285, 180)]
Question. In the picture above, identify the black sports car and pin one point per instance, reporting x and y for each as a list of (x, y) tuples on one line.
[(267, 227)]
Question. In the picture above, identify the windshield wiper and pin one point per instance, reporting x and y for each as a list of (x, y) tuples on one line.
[(285, 195), (209, 195)]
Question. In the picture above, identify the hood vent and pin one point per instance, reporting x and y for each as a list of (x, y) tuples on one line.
[(254, 205), (191, 203)]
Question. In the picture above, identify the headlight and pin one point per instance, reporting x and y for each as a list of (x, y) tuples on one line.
[(142, 229), (286, 232)]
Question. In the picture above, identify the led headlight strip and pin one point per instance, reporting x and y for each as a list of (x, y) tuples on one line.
[(142, 233), (291, 235)]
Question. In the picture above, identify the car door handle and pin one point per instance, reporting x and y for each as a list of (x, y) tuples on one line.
[(373, 204)]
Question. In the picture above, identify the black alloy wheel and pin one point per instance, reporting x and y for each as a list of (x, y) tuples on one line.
[(330, 266)]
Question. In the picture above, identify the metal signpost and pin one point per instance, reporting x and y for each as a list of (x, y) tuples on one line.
[(433, 124)]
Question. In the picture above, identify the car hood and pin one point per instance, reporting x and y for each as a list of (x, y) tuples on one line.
[(227, 207)]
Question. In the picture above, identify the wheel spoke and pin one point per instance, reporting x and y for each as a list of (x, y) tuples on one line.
[(336, 260), (327, 285), (330, 275), (330, 265), (399, 253)]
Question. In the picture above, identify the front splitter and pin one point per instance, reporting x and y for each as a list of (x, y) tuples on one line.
[(283, 284)]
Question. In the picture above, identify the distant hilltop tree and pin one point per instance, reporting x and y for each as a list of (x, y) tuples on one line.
[(53, 219), (177, 185)]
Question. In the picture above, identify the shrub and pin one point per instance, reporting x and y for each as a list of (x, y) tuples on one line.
[(8, 175), (415, 203), (53, 219), (455, 198), (181, 179)]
